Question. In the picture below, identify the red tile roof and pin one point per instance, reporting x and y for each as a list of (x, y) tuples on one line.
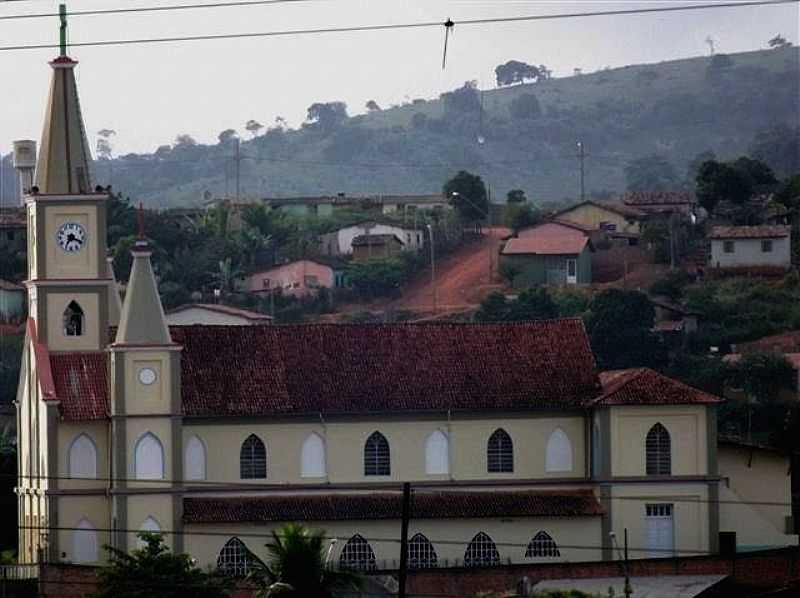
[(424, 505), (223, 309), (361, 368), (652, 198), (375, 240), (550, 238), (784, 342), (81, 384), (749, 232), (643, 386)]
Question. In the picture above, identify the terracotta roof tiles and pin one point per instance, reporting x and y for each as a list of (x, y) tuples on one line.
[(749, 232), (643, 386), (550, 238), (81, 384)]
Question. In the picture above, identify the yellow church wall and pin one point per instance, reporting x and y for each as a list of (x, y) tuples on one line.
[(687, 429), (592, 215), (345, 448), (143, 398), (78, 264), (73, 509), (690, 516), (56, 304), (97, 431), (157, 506), (578, 539)]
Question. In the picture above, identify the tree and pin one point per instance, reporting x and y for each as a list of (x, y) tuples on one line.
[(226, 136), (327, 115), (153, 570), (651, 173), (377, 276), (185, 140), (694, 165), (779, 147), (779, 42), (372, 106), (521, 215), (253, 127), (463, 99), (467, 194), (297, 567), (104, 146), (531, 304), (515, 71), (732, 181), (516, 196), (620, 326), (525, 107), (494, 308)]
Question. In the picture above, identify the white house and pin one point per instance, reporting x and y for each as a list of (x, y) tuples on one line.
[(340, 242), (750, 246), (214, 315)]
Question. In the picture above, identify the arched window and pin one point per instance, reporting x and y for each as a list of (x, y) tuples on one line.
[(659, 451), (148, 525), (558, 454), (437, 458), (481, 552), (500, 452), (421, 554), (149, 458), (194, 465), (253, 459), (73, 319), (376, 455), (542, 545), (312, 457), (357, 555), (234, 558), (84, 542), (82, 458)]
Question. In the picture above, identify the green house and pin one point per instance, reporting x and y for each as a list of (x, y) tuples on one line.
[(550, 253)]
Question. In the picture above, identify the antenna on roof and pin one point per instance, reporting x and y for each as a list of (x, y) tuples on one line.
[(62, 42)]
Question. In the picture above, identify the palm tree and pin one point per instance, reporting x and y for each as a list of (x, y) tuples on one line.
[(297, 566)]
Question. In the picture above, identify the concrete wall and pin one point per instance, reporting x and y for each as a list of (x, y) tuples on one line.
[(291, 278), (748, 252), (198, 315)]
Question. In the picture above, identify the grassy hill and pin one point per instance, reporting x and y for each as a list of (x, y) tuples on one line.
[(675, 109)]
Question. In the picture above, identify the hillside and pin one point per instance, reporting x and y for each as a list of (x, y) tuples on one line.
[(675, 109)]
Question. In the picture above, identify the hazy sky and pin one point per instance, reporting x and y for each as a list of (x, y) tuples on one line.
[(150, 93)]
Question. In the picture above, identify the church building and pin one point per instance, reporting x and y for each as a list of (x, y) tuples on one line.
[(517, 449)]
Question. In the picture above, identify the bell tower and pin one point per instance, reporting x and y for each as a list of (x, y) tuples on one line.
[(69, 286)]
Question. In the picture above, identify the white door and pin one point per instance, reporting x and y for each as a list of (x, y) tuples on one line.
[(572, 271), (660, 531)]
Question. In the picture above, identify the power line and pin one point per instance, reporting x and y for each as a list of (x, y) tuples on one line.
[(397, 26)]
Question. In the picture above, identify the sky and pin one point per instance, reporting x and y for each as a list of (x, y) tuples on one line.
[(150, 93)]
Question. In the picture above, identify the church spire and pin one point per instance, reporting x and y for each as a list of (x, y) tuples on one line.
[(64, 165), (142, 321)]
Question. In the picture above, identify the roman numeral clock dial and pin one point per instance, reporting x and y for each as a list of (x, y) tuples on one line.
[(71, 237)]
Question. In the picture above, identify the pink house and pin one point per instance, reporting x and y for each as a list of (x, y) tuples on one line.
[(298, 279)]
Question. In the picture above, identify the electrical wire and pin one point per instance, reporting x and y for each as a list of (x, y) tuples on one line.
[(398, 26)]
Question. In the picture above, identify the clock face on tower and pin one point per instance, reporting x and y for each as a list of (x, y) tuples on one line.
[(71, 237)]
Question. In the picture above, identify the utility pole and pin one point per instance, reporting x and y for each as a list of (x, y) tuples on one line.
[(628, 589), (433, 268), (582, 158), (238, 159), (406, 515)]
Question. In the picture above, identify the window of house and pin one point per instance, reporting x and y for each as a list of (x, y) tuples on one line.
[(376, 455), (437, 458), (265, 283), (659, 451), (766, 246), (558, 452), (542, 545), (253, 459), (82, 458), (421, 554), (500, 452), (312, 457), (481, 552), (233, 559), (727, 246), (357, 555), (149, 458), (73, 320), (84, 542), (194, 465)]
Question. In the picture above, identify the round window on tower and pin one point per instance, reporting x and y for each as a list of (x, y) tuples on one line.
[(147, 376)]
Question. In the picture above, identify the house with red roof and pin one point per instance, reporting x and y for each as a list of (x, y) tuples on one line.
[(616, 219), (751, 246), (548, 253), (516, 448)]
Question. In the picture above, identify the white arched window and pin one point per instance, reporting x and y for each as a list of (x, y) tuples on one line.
[(149, 458), (312, 457), (84, 543), (148, 525), (558, 454), (194, 464), (437, 458), (82, 458)]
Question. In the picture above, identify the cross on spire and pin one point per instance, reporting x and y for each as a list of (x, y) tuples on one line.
[(62, 15)]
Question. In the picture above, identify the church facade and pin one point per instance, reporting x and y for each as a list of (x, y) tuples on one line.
[(517, 449)]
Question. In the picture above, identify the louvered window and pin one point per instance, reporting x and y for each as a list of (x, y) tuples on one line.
[(500, 453), (542, 545), (421, 554), (481, 552), (357, 555), (376, 455), (658, 446), (253, 459), (234, 558)]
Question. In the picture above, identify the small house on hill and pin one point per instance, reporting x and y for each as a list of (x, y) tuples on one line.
[(550, 253), (750, 246), (661, 203), (369, 246), (301, 278), (614, 218), (214, 314), (340, 242)]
